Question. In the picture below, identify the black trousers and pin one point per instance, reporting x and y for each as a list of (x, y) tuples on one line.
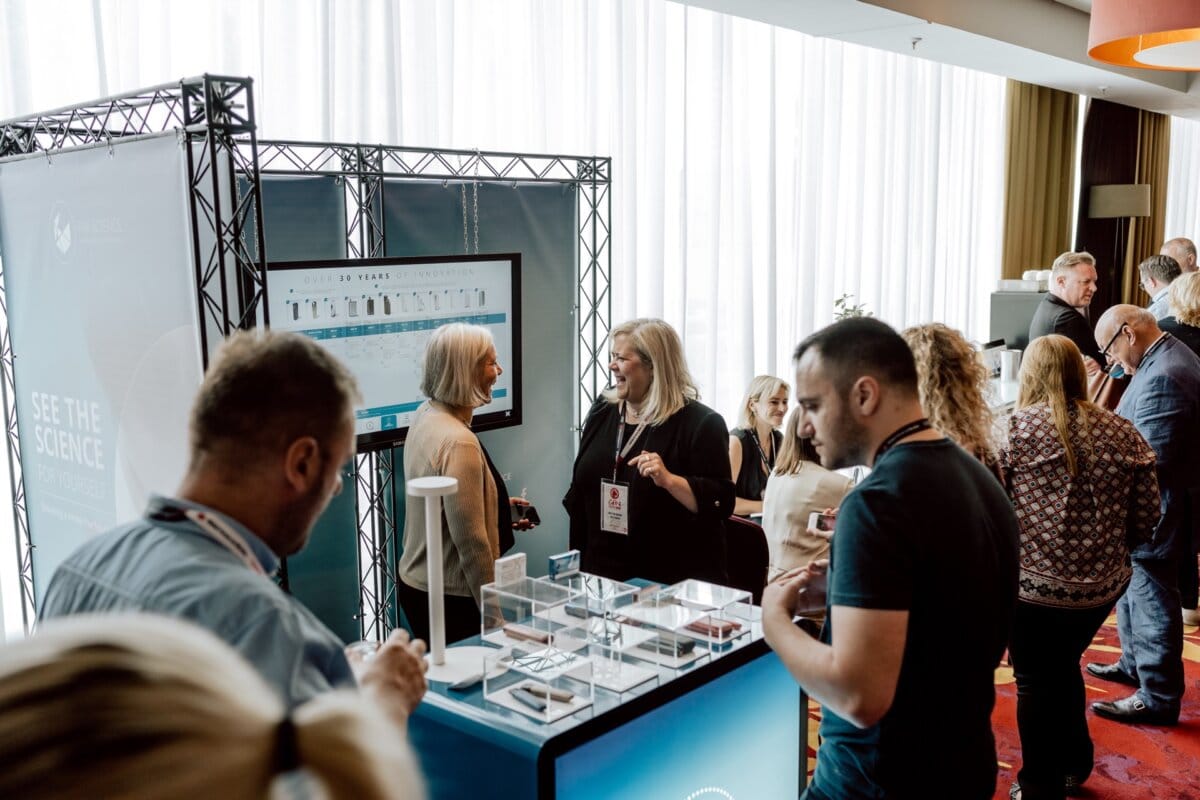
[(461, 613), (1045, 649)]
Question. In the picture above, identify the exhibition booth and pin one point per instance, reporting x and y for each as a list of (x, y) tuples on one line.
[(137, 231)]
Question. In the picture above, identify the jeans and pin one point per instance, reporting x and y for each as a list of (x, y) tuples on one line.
[(1045, 649), (1150, 622)]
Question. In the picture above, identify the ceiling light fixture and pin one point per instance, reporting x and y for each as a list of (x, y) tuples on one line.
[(1152, 34)]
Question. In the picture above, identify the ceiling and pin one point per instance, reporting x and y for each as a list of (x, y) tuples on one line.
[(1036, 41)]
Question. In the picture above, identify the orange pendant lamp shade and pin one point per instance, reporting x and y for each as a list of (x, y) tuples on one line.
[(1153, 34)]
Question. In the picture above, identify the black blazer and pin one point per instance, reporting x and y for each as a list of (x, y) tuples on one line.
[(1055, 316)]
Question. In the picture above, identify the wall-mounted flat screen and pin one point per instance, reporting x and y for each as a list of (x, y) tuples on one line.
[(376, 315)]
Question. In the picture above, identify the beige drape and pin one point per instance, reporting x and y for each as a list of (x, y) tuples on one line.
[(1154, 148), (1040, 176)]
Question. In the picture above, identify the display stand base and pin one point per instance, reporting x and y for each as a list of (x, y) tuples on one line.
[(461, 663)]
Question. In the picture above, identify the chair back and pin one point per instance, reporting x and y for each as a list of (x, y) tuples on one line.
[(747, 556)]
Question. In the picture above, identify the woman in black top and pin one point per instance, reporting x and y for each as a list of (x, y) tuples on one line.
[(755, 441), (651, 486)]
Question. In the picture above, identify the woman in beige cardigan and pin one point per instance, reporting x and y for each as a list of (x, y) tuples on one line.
[(458, 374)]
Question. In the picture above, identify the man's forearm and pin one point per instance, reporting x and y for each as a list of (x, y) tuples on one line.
[(809, 661)]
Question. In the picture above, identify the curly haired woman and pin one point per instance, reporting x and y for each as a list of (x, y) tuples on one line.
[(953, 383)]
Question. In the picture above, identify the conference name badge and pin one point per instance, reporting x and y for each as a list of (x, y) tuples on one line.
[(614, 507)]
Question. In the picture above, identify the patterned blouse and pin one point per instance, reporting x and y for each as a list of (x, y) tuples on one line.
[(1076, 533)]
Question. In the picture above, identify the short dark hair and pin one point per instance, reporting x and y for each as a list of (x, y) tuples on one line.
[(860, 346), (1163, 269), (266, 389)]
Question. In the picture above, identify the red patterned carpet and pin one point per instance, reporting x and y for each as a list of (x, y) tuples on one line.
[(1133, 762)]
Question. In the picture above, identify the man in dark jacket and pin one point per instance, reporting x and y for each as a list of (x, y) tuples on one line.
[(1064, 309)]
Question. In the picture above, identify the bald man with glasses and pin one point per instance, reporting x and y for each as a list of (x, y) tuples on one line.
[(1163, 403)]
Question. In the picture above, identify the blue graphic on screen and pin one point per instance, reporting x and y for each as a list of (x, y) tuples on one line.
[(376, 318), (737, 738)]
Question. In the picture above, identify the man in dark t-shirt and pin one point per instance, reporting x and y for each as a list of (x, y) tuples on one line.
[(921, 583)]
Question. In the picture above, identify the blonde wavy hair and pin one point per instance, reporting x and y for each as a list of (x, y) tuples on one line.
[(1052, 372), (661, 350), (140, 706), (1184, 297), (762, 386), (952, 382)]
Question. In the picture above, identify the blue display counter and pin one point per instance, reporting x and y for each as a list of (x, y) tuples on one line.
[(731, 727)]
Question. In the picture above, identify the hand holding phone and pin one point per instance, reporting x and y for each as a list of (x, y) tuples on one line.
[(524, 514), (822, 523)]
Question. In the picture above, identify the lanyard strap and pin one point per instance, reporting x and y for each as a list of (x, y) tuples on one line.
[(223, 534), (770, 465), (620, 453), (916, 426)]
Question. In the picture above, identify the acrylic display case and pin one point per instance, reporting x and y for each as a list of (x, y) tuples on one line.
[(541, 682), (591, 627), (521, 613)]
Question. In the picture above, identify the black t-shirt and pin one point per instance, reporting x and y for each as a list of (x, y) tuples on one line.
[(751, 481), (929, 531), (666, 542)]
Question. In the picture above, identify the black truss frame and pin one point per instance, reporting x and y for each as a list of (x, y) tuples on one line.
[(214, 118), (364, 168)]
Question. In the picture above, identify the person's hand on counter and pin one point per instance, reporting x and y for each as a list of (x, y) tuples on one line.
[(395, 676), (795, 592)]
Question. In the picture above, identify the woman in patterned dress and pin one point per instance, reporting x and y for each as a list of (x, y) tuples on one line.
[(1084, 486)]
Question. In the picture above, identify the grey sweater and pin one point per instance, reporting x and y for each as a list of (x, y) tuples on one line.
[(440, 444)]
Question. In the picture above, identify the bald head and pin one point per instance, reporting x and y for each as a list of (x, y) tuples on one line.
[(1127, 332), (1182, 250)]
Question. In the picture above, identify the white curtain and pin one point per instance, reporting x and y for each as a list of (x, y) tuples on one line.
[(1183, 180), (759, 173)]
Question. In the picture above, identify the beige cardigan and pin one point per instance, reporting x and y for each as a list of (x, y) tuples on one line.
[(787, 503), (440, 444)]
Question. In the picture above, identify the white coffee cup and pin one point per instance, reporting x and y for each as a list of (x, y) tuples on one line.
[(1010, 363)]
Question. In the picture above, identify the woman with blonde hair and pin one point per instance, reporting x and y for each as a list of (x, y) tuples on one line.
[(1083, 482), (798, 486), (754, 443), (459, 371), (651, 485), (1184, 304), (140, 706), (953, 384)]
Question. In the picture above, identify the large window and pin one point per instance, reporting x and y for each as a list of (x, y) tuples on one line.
[(758, 173)]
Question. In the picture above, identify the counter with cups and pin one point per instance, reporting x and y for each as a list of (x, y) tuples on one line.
[(582, 687)]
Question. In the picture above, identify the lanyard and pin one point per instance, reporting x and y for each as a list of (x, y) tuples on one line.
[(620, 453), (915, 426), (770, 465), (223, 534)]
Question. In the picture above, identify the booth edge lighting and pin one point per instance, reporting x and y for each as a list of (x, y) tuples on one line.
[(1149, 34)]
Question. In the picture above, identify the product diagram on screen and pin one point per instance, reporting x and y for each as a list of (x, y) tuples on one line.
[(376, 316)]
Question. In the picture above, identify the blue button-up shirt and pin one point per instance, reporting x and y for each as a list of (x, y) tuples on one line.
[(165, 564)]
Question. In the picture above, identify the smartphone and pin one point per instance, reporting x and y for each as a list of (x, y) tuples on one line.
[(525, 512), (822, 522)]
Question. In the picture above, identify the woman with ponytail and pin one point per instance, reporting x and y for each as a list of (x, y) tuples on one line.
[(1084, 486), (138, 706)]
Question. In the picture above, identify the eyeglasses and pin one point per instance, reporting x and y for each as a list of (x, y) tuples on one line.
[(1104, 365)]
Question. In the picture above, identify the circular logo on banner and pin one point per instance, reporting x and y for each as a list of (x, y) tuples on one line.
[(60, 226), (710, 793)]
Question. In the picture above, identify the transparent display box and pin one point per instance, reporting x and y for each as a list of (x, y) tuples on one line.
[(542, 683), (727, 614), (591, 628), (520, 613)]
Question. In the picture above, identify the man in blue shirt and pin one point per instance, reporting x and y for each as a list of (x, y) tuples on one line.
[(270, 429), (922, 583)]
